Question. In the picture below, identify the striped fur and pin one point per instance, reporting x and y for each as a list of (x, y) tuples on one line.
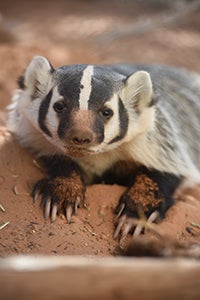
[(100, 115), (86, 87)]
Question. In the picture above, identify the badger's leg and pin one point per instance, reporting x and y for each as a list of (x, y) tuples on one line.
[(148, 198), (62, 190)]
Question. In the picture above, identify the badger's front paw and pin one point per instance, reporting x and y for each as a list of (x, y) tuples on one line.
[(60, 194), (138, 207)]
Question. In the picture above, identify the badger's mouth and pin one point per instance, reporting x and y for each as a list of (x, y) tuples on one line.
[(77, 152)]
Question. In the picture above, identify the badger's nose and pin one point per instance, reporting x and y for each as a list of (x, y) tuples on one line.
[(80, 137)]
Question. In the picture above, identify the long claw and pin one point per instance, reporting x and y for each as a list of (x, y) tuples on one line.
[(69, 211), (137, 230), (119, 226), (120, 211), (77, 202), (125, 231), (150, 220), (36, 194), (47, 209), (153, 217), (54, 212)]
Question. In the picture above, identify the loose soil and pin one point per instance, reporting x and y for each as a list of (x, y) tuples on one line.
[(68, 32)]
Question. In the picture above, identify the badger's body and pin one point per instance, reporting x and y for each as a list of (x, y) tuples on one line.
[(110, 119)]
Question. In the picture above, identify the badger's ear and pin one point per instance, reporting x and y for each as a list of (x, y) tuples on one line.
[(138, 90), (37, 76)]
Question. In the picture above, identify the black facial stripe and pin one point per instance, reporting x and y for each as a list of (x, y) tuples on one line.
[(102, 88), (99, 130), (123, 121), (44, 107), (100, 93), (64, 122), (70, 84)]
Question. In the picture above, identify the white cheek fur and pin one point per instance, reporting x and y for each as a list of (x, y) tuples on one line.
[(112, 128), (52, 121)]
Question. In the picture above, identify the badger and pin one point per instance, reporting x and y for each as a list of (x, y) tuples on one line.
[(132, 124)]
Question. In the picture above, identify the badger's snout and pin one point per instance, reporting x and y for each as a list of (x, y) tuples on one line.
[(83, 137), (83, 133)]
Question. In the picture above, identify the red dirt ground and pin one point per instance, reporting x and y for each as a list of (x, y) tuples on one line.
[(81, 32)]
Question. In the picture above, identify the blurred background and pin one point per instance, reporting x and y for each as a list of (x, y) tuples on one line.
[(96, 31)]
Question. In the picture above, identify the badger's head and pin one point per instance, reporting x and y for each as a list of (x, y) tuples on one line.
[(86, 109)]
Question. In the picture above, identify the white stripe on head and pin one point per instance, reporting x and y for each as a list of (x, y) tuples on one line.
[(85, 92)]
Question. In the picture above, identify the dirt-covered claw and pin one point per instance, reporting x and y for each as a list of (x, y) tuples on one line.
[(121, 208), (36, 195), (69, 212), (77, 202), (47, 209), (54, 193), (143, 202), (125, 231), (38, 189), (54, 212), (119, 226), (152, 218), (135, 226), (138, 230)]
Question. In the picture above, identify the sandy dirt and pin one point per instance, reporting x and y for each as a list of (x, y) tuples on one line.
[(81, 32)]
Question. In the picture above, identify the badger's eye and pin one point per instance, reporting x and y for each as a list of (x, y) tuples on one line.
[(107, 113), (59, 106)]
